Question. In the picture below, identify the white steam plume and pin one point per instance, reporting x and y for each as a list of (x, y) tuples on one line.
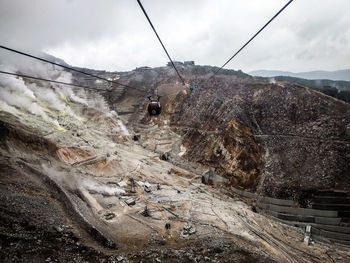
[(95, 187), (123, 129), (17, 95), (272, 80), (44, 100), (5, 107)]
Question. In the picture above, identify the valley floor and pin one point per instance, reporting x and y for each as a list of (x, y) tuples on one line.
[(92, 195)]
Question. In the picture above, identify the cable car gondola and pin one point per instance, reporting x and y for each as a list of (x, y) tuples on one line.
[(154, 107)]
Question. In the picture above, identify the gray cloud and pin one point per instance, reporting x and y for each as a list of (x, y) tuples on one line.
[(114, 34)]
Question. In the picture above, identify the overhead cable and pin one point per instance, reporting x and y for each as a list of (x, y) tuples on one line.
[(47, 80), (154, 30), (280, 11), (68, 68)]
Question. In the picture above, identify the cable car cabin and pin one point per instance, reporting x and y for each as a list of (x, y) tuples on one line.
[(154, 107)]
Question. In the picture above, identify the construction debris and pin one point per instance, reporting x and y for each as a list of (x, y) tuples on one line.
[(188, 230), (109, 215), (145, 212), (147, 189), (130, 201), (90, 161), (123, 184)]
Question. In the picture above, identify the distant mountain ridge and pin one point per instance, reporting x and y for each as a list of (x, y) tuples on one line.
[(320, 74)]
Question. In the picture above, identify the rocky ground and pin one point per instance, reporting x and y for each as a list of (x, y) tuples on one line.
[(278, 139), (93, 178)]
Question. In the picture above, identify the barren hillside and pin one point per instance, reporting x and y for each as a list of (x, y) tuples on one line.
[(88, 176)]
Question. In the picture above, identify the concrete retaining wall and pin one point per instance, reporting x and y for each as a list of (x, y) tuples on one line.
[(282, 202), (329, 234), (264, 199), (307, 219), (325, 223), (324, 233), (245, 194), (297, 210)]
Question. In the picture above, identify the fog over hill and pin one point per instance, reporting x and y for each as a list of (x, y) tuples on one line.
[(319, 74)]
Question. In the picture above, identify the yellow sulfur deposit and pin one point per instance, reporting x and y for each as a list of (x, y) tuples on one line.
[(59, 128)]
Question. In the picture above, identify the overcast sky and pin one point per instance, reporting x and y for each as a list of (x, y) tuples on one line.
[(115, 35)]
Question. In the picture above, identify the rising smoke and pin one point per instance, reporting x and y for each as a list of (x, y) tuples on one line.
[(16, 94), (95, 187), (19, 96), (43, 102), (75, 181)]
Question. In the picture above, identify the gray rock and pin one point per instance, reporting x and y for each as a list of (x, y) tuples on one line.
[(120, 258), (58, 229)]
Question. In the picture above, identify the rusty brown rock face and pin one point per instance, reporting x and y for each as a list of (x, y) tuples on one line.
[(233, 152), (276, 139)]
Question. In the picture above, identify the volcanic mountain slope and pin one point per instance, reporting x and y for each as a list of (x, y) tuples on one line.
[(89, 176), (277, 139)]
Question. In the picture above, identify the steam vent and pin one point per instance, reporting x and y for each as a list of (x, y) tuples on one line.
[(233, 169)]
